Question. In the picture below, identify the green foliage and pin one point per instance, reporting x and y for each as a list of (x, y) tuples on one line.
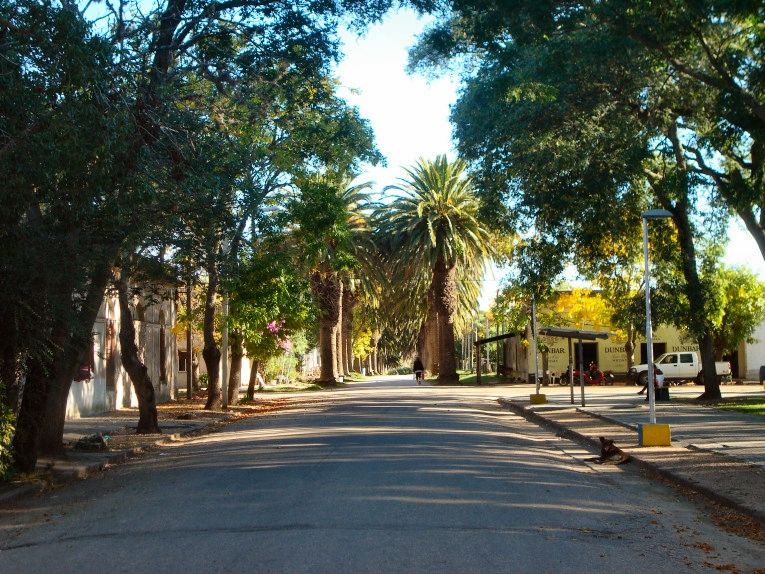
[(575, 121), (402, 370), (269, 299), (436, 218), (362, 337), (6, 435), (740, 297)]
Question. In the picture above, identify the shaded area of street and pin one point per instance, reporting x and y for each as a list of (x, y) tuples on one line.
[(375, 478)]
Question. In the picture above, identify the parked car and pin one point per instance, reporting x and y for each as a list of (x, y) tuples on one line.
[(681, 366)]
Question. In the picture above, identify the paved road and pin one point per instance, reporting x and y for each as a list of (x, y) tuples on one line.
[(385, 477)]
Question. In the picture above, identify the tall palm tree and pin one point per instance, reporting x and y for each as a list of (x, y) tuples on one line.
[(334, 229), (436, 229)]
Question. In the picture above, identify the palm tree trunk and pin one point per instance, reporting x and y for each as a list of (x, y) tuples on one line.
[(446, 299), (349, 301), (328, 372), (431, 335), (328, 292)]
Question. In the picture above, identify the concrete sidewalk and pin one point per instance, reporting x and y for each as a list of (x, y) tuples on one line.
[(720, 454)]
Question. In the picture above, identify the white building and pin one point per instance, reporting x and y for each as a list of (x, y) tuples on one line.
[(103, 384)]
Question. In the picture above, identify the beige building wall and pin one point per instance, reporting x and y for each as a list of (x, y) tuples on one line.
[(109, 387)]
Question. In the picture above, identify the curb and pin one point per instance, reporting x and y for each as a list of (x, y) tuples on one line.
[(565, 432), (84, 470)]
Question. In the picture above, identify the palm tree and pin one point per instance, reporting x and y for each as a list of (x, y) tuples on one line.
[(333, 230), (436, 229)]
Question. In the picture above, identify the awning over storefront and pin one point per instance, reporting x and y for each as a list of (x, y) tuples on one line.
[(579, 335)]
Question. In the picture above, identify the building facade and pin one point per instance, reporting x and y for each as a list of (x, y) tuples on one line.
[(102, 383)]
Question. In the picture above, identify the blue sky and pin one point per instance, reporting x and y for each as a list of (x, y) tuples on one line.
[(410, 116)]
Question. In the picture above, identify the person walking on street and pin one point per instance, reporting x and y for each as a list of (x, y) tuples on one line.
[(419, 369)]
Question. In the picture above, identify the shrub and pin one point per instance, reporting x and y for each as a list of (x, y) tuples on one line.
[(6, 435), (400, 371)]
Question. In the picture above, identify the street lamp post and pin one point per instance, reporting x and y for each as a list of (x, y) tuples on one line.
[(646, 215)]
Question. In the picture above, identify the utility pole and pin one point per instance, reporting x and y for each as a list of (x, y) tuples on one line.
[(189, 339)]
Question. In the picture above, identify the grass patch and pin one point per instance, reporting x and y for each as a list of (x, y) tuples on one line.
[(748, 405), (355, 377), (471, 379), (297, 387)]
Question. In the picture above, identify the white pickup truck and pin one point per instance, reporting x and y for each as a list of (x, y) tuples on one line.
[(684, 365)]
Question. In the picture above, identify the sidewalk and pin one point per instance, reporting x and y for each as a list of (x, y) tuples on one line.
[(720, 454), (110, 439)]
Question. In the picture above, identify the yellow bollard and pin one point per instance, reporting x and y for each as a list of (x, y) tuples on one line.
[(539, 399), (654, 435)]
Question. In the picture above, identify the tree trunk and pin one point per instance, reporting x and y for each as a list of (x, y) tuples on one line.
[(72, 339), (629, 346), (194, 372), (328, 292), (697, 302), (711, 381), (446, 300), (339, 341), (136, 370), (328, 374), (349, 302), (210, 352), (697, 294), (374, 353), (419, 346), (253, 382), (235, 379), (189, 340), (430, 356), (27, 437), (545, 366)]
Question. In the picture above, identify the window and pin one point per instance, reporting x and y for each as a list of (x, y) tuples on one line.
[(85, 370), (686, 358), (669, 359), (110, 353), (183, 358)]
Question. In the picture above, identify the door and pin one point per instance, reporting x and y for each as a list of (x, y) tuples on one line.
[(589, 353), (733, 360), (689, 366), (658, 349), (670, 366)]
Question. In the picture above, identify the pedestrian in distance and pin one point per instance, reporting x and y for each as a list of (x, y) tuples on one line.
[(658, 380), (419, 369)]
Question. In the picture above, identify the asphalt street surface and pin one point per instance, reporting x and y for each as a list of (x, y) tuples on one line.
[(380, 477)]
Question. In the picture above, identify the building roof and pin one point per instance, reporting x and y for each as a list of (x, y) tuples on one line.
[(569, 333)]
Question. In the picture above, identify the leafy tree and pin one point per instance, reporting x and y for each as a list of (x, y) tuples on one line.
[(62, 131), (269, 304), (573, 124), (703, 58), (741, 303), (91, 136)]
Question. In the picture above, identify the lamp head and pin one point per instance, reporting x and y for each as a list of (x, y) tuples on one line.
[(656, 214)]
